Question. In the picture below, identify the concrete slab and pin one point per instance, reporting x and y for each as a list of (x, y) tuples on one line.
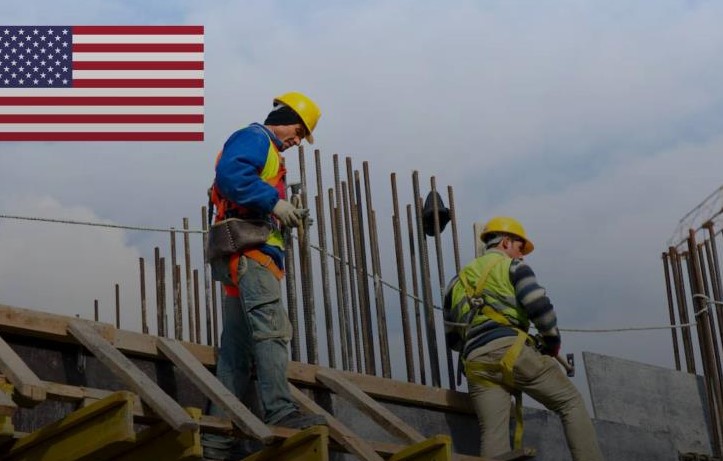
[(656, 399)]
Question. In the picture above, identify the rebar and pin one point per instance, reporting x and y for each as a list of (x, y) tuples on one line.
[(426, 287), (144, 313), (159, 319), (291, 300), (671, 311), (307, 279), (176, 284), (682, 308), (354, 284), (415, 292), (189, 284), (715, 274), (339, 278), (96, 314), (117, 306), (324, 263), (214, 313), (197, 306), (341, 253), (402, 281), (453, 222), (206, 277), (362, 274), (377, 274)]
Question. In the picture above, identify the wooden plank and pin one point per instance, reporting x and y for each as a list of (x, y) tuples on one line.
[(369, 406), (54, 327), (92, 433), (215, 390), (7, 406), (437, 448), (161, 443), (26, 383), (139, 382), (311, 444), (338, 431)]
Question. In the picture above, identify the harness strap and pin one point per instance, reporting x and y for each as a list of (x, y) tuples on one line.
[(258, 256)]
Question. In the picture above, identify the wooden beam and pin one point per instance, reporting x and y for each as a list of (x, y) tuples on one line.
[(215, 390), (385, 418), (7, 406), (437, 448), (26, 383), (311, 444), (54, 327), (161, 443), (139, 382), (338, 431), (92, 433)]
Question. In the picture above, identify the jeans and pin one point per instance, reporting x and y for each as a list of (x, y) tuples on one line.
[(256, 331), (541, 378)]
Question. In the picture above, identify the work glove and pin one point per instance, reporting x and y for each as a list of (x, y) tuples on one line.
[(288, 214), (550, 345)]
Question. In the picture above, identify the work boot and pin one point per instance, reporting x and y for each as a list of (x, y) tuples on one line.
[(298, 420)]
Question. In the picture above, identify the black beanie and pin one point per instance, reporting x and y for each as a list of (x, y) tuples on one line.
[(283, 115)]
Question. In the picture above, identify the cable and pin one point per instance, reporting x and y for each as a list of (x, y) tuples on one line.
[(112, 226)]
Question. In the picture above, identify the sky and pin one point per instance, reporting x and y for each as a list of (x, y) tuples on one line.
[(597, 124)]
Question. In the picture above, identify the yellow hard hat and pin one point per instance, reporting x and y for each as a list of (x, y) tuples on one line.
[(304, 107), (510, 226)]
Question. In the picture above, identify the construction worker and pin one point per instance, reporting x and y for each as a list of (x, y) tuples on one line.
[(250, 183), (488, 308)]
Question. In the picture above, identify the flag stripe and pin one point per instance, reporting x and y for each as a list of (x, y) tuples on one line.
[(102, 92), (138, 39), (100, 101), (138, 65), (99, 127), (101, 118), (137, 83), (130, 74), (138, 57), (146, 30), (101, 110), (137, 47), (84, 136)]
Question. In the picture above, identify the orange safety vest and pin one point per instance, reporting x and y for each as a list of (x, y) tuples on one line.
[(274, 174)]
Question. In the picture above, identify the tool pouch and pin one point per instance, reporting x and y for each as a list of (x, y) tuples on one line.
[(234, 235)]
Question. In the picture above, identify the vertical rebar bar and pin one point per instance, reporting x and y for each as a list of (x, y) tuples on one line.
[(377, 274), (206, 276), (705, 338), (159, 311), (189, 283), (710, 313), (453, 222), (365, 303), (415, 291), (144, 313), (341, 253), (426, 287), (176, 285), (117, 306), (324, 262), (340, 280), (402, 281), (682, 308), (178, 292), (715, 275), (442, 278), (214, 313), (354, 284), (671, 311), (291, 299), (96, 313), (197, 306), (307, 276)]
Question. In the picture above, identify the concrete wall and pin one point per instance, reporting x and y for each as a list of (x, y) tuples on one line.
[(651, 398)]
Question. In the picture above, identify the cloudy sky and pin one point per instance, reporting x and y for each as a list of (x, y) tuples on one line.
[(597, 124)]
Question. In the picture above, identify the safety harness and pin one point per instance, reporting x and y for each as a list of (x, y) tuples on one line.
[(473, 370)]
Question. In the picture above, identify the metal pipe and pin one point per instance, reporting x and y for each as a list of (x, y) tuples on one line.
[(671, 311), (117, 306), (340, 283), (402, 281), (189, 284), (362, 276), (377, 274), (442, 278), (144, 313), (682, 308), (415, 291), (176, 284), (307, 278), (206, 277), (426, 287), (324, 263), (353, 271)]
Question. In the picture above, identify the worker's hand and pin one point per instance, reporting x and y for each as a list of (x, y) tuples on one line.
[(550, 345), (288, 214)]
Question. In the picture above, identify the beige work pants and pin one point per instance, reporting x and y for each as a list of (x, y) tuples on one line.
[(541, 378)]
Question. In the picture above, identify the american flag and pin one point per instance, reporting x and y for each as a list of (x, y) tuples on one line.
[(101, 83)]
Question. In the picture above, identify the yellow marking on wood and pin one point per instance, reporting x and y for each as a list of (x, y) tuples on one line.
[(437, 448), (95, 432), (311, 444)]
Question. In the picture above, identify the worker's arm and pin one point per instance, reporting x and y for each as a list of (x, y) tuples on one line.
[(533, 299), (237, 171)]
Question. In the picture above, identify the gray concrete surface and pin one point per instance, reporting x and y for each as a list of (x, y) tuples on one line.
[(655, 399)]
